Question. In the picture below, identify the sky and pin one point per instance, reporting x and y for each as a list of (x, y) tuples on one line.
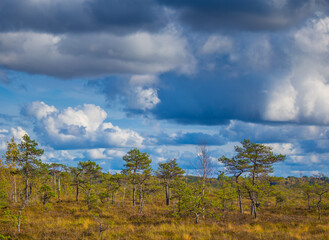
[(91, 79)]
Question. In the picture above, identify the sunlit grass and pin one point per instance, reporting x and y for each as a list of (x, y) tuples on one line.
[(71, 220)]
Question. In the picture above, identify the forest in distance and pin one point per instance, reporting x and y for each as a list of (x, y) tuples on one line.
[(40, 200)]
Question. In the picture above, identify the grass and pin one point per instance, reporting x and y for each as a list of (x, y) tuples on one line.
[(72, 220)]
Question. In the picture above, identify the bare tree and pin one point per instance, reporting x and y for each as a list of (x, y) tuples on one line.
[(205, 169)]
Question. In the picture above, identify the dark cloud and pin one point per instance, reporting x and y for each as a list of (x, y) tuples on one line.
[(204, 100), (210, 100), (245, 15), (58, 16)]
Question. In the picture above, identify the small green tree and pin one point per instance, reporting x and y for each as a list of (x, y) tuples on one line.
[(46, 193), (111, 184), (257, 160), (225, 194), (137, 168), (320, 189), (192, 200), (168, 171), (29, 161), (76, 174), (12, 156), (91, 173)]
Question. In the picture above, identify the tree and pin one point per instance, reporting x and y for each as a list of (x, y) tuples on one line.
[(255, 159), (12, 159), (57, 170), (90, 174), (191, 200), (205, 168), (137, 168), (225, 193), (46, 193), (236, 166), (76, 181), (111, 183), (169, 171), (307, 190), (29, 161), (320, 189)]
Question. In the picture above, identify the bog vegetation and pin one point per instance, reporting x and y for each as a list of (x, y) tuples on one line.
[(53, 201)]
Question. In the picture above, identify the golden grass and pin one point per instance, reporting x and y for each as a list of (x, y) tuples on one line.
[(71, 220)]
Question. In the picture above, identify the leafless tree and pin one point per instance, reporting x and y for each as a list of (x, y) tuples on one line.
[(205, 168)]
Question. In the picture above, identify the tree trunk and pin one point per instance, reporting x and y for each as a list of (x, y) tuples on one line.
[(134, 195), (308, 202), (26, 188), (88, 199), (19, 221), (203, 208), (319, 212), (255, 212), (59, 189), (167, 195), (141, 200), (239, 198), (30, 192), (196, 218), (253, 209), (14, 196), (113, 197), (77, 193), (123, 196)]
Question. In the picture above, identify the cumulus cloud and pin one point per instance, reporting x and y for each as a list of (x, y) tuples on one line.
[(79, 127), (302, 96), (18, 133)]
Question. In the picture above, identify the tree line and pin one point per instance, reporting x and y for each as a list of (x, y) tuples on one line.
[(245, 183)]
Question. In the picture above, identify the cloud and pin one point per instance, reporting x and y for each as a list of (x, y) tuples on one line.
[(78, 16), (272, 133), (18, 133), (255, 15), (302, 95), (217, 44), (93, 55), (136, 94), (78, 127)]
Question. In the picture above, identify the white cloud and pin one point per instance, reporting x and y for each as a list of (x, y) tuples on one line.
[(284, 148), (282, 103), (302, 96), (80, 127), (96, 154), (217, 44), (314, 37), (40, 109), (18, 133), (144, 99)]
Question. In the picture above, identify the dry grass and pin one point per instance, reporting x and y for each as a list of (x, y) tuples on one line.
[(71, 220)]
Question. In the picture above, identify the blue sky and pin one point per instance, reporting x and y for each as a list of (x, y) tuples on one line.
[(90, 79)]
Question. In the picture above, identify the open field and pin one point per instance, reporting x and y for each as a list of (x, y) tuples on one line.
[(72, 220)]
